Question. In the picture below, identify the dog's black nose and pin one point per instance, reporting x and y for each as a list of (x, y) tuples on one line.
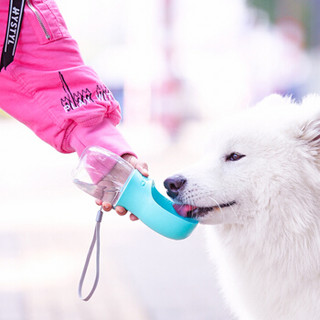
[(174, 184)]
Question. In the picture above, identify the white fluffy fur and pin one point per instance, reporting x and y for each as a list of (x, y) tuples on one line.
[(267, 245)]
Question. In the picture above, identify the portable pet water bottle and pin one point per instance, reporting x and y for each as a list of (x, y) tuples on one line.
[(107, 177)]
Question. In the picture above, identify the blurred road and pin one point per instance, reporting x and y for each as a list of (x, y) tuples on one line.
[(46, 226)]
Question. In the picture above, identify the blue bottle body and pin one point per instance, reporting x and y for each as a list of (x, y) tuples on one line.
[(141, 197)]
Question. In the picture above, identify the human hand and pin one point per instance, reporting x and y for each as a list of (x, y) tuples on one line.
[(140, 166)]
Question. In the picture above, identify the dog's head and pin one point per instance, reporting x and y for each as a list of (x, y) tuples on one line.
[(260, 163)]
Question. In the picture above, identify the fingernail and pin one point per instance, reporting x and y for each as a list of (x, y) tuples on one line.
[(106, 206), (120, 210), (133, 217)]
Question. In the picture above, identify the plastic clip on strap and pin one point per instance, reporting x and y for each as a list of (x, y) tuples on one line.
[(95, 241)]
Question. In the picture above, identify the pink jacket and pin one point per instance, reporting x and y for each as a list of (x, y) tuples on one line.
[(50, 89)]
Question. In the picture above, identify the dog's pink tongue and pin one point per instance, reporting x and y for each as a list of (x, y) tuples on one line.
[(183, 209)]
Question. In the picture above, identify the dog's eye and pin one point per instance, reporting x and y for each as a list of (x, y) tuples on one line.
[(234, 156)]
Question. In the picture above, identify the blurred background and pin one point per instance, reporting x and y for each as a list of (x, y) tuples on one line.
[(175, 66)]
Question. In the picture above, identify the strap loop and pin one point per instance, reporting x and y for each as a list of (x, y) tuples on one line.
[(95, 241), (15, 15)]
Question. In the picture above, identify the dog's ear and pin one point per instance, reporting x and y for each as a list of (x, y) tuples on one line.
[(310, 132), (310, 128)]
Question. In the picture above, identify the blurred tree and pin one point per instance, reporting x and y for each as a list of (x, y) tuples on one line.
[(265, 5), (302, 13)]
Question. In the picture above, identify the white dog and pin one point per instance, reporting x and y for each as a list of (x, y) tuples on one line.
[(261, 185)]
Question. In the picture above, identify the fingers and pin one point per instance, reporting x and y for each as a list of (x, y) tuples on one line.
[(137, 164), (121, 211), (98, 202), (142, 167), (106, 206)]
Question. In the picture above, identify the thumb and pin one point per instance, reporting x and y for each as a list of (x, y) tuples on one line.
[(141, 166)]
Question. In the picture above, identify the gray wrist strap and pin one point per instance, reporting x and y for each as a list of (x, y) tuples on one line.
[(95, 241)]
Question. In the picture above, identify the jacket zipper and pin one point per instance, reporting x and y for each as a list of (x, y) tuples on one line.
[(36, 13)]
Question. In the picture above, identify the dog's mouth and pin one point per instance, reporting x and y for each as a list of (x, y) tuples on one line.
[(189, 211)]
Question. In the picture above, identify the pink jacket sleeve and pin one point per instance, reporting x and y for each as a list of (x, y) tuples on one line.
[(50, 89)]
